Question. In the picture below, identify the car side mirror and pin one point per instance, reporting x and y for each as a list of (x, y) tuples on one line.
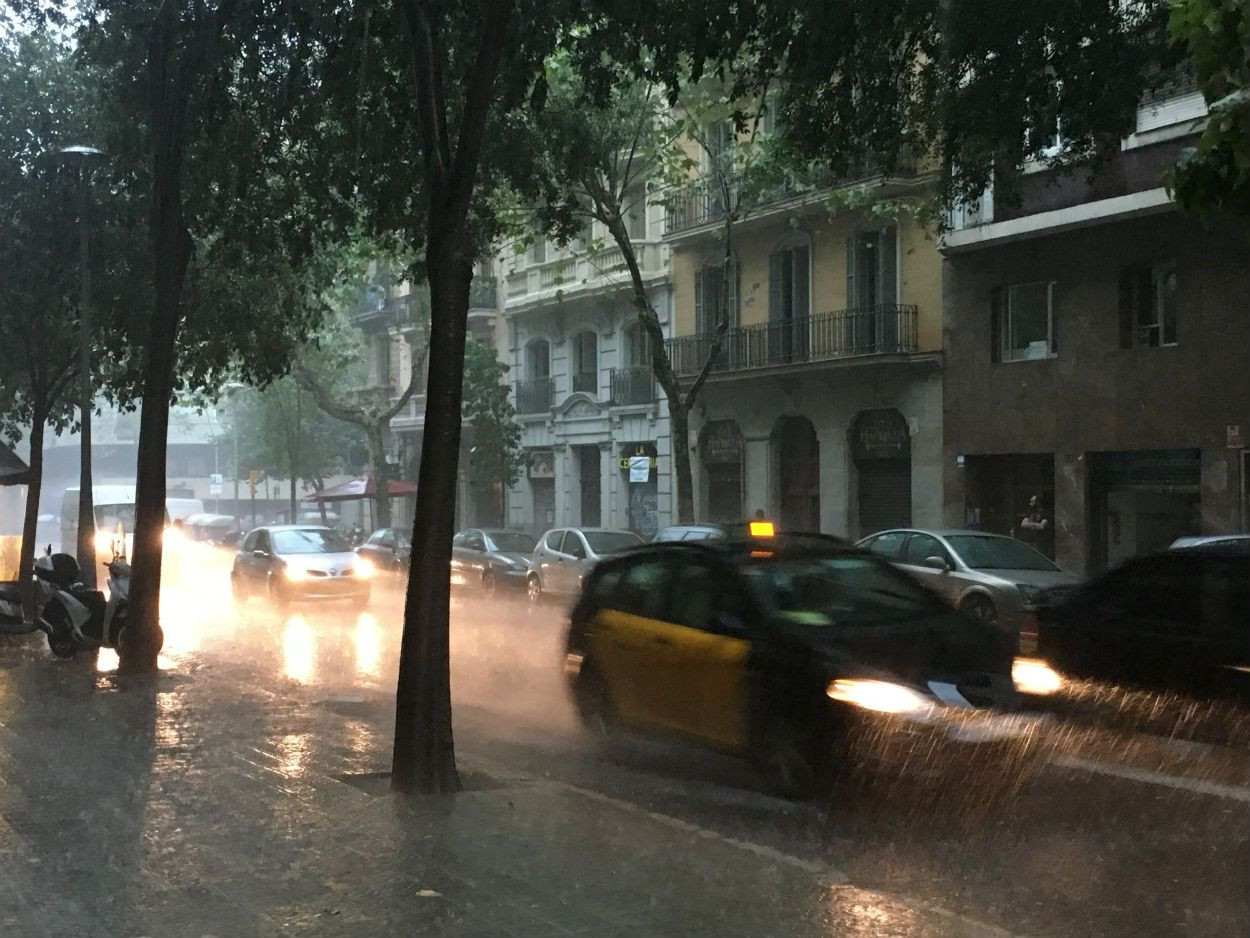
[(936, 563)]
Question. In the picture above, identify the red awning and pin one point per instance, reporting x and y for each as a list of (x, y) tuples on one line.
[(360, 488)]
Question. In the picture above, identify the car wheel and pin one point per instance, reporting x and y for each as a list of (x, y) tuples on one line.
[(783, 759), (60, 631), (595, 708), (489, 585), (534, 589), (979, 607)]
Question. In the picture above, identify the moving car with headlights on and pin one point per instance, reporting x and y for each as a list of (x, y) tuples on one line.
[(1179, 620), (990, 577), (491, 559), (389, 550), (563, 557), (782, 650), (300, 563)]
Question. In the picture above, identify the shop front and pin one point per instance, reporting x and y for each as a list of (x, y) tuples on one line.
[(542, 480), (638, 464), (999, 490), (881, 451), (720, 451), (1142, 501)]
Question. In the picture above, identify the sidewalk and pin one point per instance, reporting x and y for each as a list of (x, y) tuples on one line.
[(202, 803)]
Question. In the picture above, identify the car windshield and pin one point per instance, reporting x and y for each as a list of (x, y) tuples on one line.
[(611, 542), (512, 542), (839, 590), (982, 552), (309, 541), (107, 517)]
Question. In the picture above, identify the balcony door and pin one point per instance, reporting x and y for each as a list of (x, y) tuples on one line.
[(789, 305), (872, 291)]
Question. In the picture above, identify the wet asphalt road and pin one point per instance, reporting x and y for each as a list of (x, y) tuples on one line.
[(1123, 826)]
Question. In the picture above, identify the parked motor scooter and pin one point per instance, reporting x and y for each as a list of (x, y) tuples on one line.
[(12, 615), (77, 617)]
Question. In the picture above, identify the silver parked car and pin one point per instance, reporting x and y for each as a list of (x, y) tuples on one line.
[(300, 563), (564, 556), (989, 576)]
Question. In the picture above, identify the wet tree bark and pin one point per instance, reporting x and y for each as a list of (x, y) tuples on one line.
[(374, 439), (30, 520), (171, 250)]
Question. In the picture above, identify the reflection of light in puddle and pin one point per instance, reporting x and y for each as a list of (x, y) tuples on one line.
[(107, 660), (368, 645), (299, 650), (293, 753)]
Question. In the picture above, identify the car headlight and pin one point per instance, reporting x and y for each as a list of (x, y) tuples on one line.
[(294, 573), (365, 569), (1032, 595), (881, 696), (1034, 676)]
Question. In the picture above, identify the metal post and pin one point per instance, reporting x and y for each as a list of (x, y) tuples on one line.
[(236, 460), (86, 508)]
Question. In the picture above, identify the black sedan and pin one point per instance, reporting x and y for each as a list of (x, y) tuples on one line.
[(780, 649), (1177, 621), (491, 559), (388, 549)]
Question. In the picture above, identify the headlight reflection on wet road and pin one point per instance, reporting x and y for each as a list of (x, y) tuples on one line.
[(299, 651)]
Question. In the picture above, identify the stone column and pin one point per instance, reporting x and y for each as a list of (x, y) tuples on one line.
[(563, 511), (757, 482), (1071, 512), (607, 486)]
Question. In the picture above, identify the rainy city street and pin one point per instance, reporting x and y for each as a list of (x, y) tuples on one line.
[(1109, 831)]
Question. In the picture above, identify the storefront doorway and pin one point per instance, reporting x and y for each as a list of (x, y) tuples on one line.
[(589, 475), (1142, 501), (881, 449), (798, 463), (643, 496), (998, 491), (720, 449), (542, 479)]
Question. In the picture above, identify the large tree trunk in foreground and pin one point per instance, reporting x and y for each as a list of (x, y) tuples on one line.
[(424, 756), (171, 251), (30, 521)]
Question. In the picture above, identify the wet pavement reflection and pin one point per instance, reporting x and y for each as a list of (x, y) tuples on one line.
[(1127, 817)]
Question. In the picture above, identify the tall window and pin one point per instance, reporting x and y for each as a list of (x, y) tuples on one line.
[(872, 268), (538, 359), (1148, 301), (719, 142), (707, 298), (1023, 322), (637, 347), (538, 251), (788, 293), (634, 208), (586, 362)]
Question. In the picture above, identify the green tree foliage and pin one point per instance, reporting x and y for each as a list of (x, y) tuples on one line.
[(496, 458), (1215, 175)]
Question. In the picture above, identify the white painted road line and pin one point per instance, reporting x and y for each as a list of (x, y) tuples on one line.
[(1146, 776)]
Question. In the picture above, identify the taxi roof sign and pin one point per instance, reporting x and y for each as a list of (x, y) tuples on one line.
[(763, 529)]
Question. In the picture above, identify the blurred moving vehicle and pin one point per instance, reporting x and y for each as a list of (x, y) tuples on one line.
[(113, 505), (1179, 620), (563, 557), (389, 550), (219, 530), (1222, 542), (491, 559), (990, 577), (299, 563), (715, 531), (780, 650)]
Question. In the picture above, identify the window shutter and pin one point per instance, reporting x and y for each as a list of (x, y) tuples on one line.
[(801, 308), (776, 285), (731, 306), (700, 326), (888, 252), (996, 324), (852, 285)]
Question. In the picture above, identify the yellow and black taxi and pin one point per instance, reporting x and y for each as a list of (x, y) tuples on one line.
[(777, 648)]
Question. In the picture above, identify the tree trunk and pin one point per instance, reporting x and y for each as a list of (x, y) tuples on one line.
[(30, 522), (425, 757), (377, 468), (679, 434), (171, 253)]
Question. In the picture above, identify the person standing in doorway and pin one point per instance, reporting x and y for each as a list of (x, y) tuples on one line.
[(1034, 527)]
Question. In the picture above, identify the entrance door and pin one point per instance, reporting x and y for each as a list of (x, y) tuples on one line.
[(881, 448), (799, 474), (544, 492), (589, 475)]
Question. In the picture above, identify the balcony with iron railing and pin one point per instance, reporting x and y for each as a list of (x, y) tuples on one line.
[(845, 333), (535, 395), (633, 385), (587, 271)]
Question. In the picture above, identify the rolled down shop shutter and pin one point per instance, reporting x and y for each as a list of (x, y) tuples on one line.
[(884, 495)]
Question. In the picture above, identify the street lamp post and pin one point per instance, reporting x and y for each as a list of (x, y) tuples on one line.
[(234, 387), (83, 155)]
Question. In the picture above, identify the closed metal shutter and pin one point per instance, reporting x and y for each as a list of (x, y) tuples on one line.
[(884, 495)]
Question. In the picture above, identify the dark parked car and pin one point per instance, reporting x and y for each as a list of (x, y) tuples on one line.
[(491, 559), (1174, 620), (299, 563), (775, 653), (388, 549)]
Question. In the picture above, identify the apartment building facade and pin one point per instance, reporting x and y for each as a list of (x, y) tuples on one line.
[(582, 380), (1096, 349)]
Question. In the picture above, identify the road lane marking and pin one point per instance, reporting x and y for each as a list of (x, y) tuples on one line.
[(1146, 776)]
